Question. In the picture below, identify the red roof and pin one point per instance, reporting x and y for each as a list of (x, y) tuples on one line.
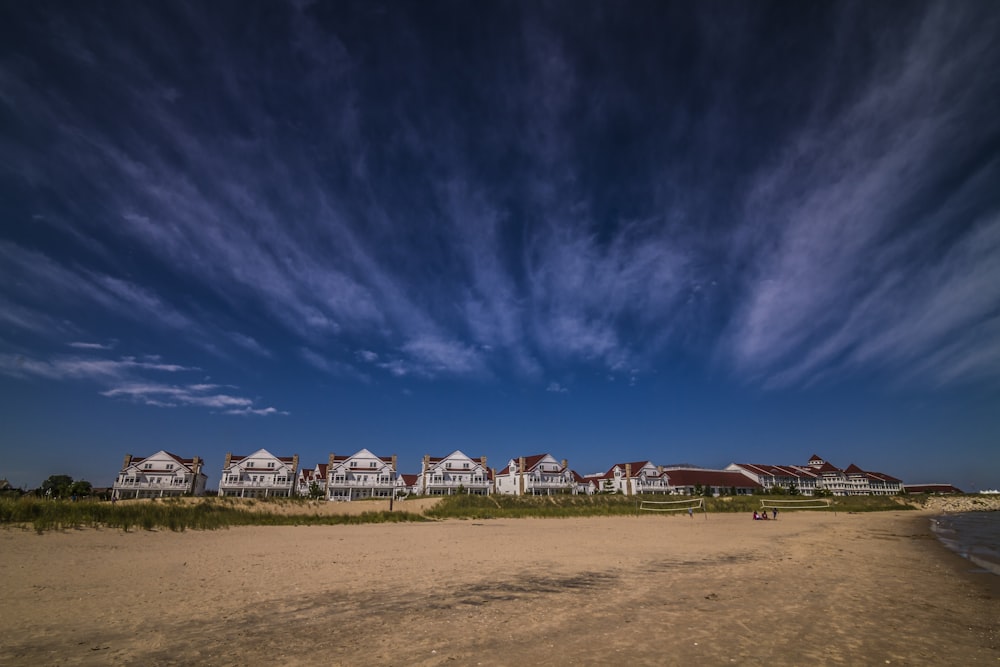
[(721, 478), (777, 471)]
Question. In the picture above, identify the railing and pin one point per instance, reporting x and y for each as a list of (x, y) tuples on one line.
[(359, 483), (153, 485), (546, 484), (257, 485), (457, 482)]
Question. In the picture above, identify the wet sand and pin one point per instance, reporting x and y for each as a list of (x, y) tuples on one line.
[(653, 590)]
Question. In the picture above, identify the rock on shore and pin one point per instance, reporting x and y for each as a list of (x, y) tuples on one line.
[(944, 504)]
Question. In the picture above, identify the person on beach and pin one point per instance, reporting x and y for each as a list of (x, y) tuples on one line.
[(756, 516), (691, 512), (774, 513)]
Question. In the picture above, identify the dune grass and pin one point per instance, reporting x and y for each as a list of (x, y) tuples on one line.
[(489, 507), (204, 514), (212, 513)]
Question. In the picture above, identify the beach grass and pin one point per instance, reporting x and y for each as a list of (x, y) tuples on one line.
[(171, 514), (212, 513), (497, 506)]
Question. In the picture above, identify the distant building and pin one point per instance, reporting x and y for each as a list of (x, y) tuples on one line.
[(159, 476), (537, 475), (630, 479), (819, 474), (931, 488), (308, 477), (689, 481), (455, 473), (259, 475)]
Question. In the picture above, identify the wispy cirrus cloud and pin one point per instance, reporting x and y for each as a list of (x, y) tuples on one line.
[(132, 379), (870, 251), (83, 345)]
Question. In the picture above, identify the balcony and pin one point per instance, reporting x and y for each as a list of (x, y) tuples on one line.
[(172, 484), (248, 484)]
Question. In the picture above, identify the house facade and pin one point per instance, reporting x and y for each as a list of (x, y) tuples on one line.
[(784, 476), (630, 479), (538, 475), (161, 475), (308, 477), (820, 475), (455, 473), (363, 475), (259, 475)]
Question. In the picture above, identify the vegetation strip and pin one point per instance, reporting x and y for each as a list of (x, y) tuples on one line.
[(214, 513)]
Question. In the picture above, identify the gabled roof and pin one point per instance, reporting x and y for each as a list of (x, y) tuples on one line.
[(635, 466), (184, 463), (530, 463), (261, 452), (854, 470)]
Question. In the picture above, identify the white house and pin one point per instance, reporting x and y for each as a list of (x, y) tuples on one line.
[(819, 475), (630, 479), (158, 476), (363, 475), (308, 477), (538, 475), (784, 476), (455, 473), (259, 475)]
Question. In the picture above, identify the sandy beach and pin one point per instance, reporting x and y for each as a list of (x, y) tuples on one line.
[(808, 588)]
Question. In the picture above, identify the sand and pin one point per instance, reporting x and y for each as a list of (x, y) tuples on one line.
[(653, 590)]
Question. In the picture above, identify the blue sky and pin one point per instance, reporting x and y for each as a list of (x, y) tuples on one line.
[(684, 232)]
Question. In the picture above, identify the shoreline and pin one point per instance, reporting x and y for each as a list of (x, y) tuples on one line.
[(844, 589)]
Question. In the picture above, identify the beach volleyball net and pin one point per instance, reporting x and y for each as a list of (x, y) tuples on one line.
[(804, 504), (686, 505)]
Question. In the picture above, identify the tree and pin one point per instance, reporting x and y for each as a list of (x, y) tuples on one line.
[(793, 489), (315, 493), (57, 486), (81, 488)]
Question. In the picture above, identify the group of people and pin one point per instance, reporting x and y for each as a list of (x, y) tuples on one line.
[(762, 515)]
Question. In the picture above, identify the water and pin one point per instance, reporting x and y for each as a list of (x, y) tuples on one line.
[(972, 535)]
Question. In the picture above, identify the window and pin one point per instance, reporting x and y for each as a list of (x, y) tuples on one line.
[(147, 466), (270, 464), (170, 466), (371, 464)]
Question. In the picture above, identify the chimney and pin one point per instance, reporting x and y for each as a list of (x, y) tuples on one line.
[(195, 468), (394, 463), (565, 464), (229, 459), (628, 479), (423, 473), (520, 476), (127, 461)]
